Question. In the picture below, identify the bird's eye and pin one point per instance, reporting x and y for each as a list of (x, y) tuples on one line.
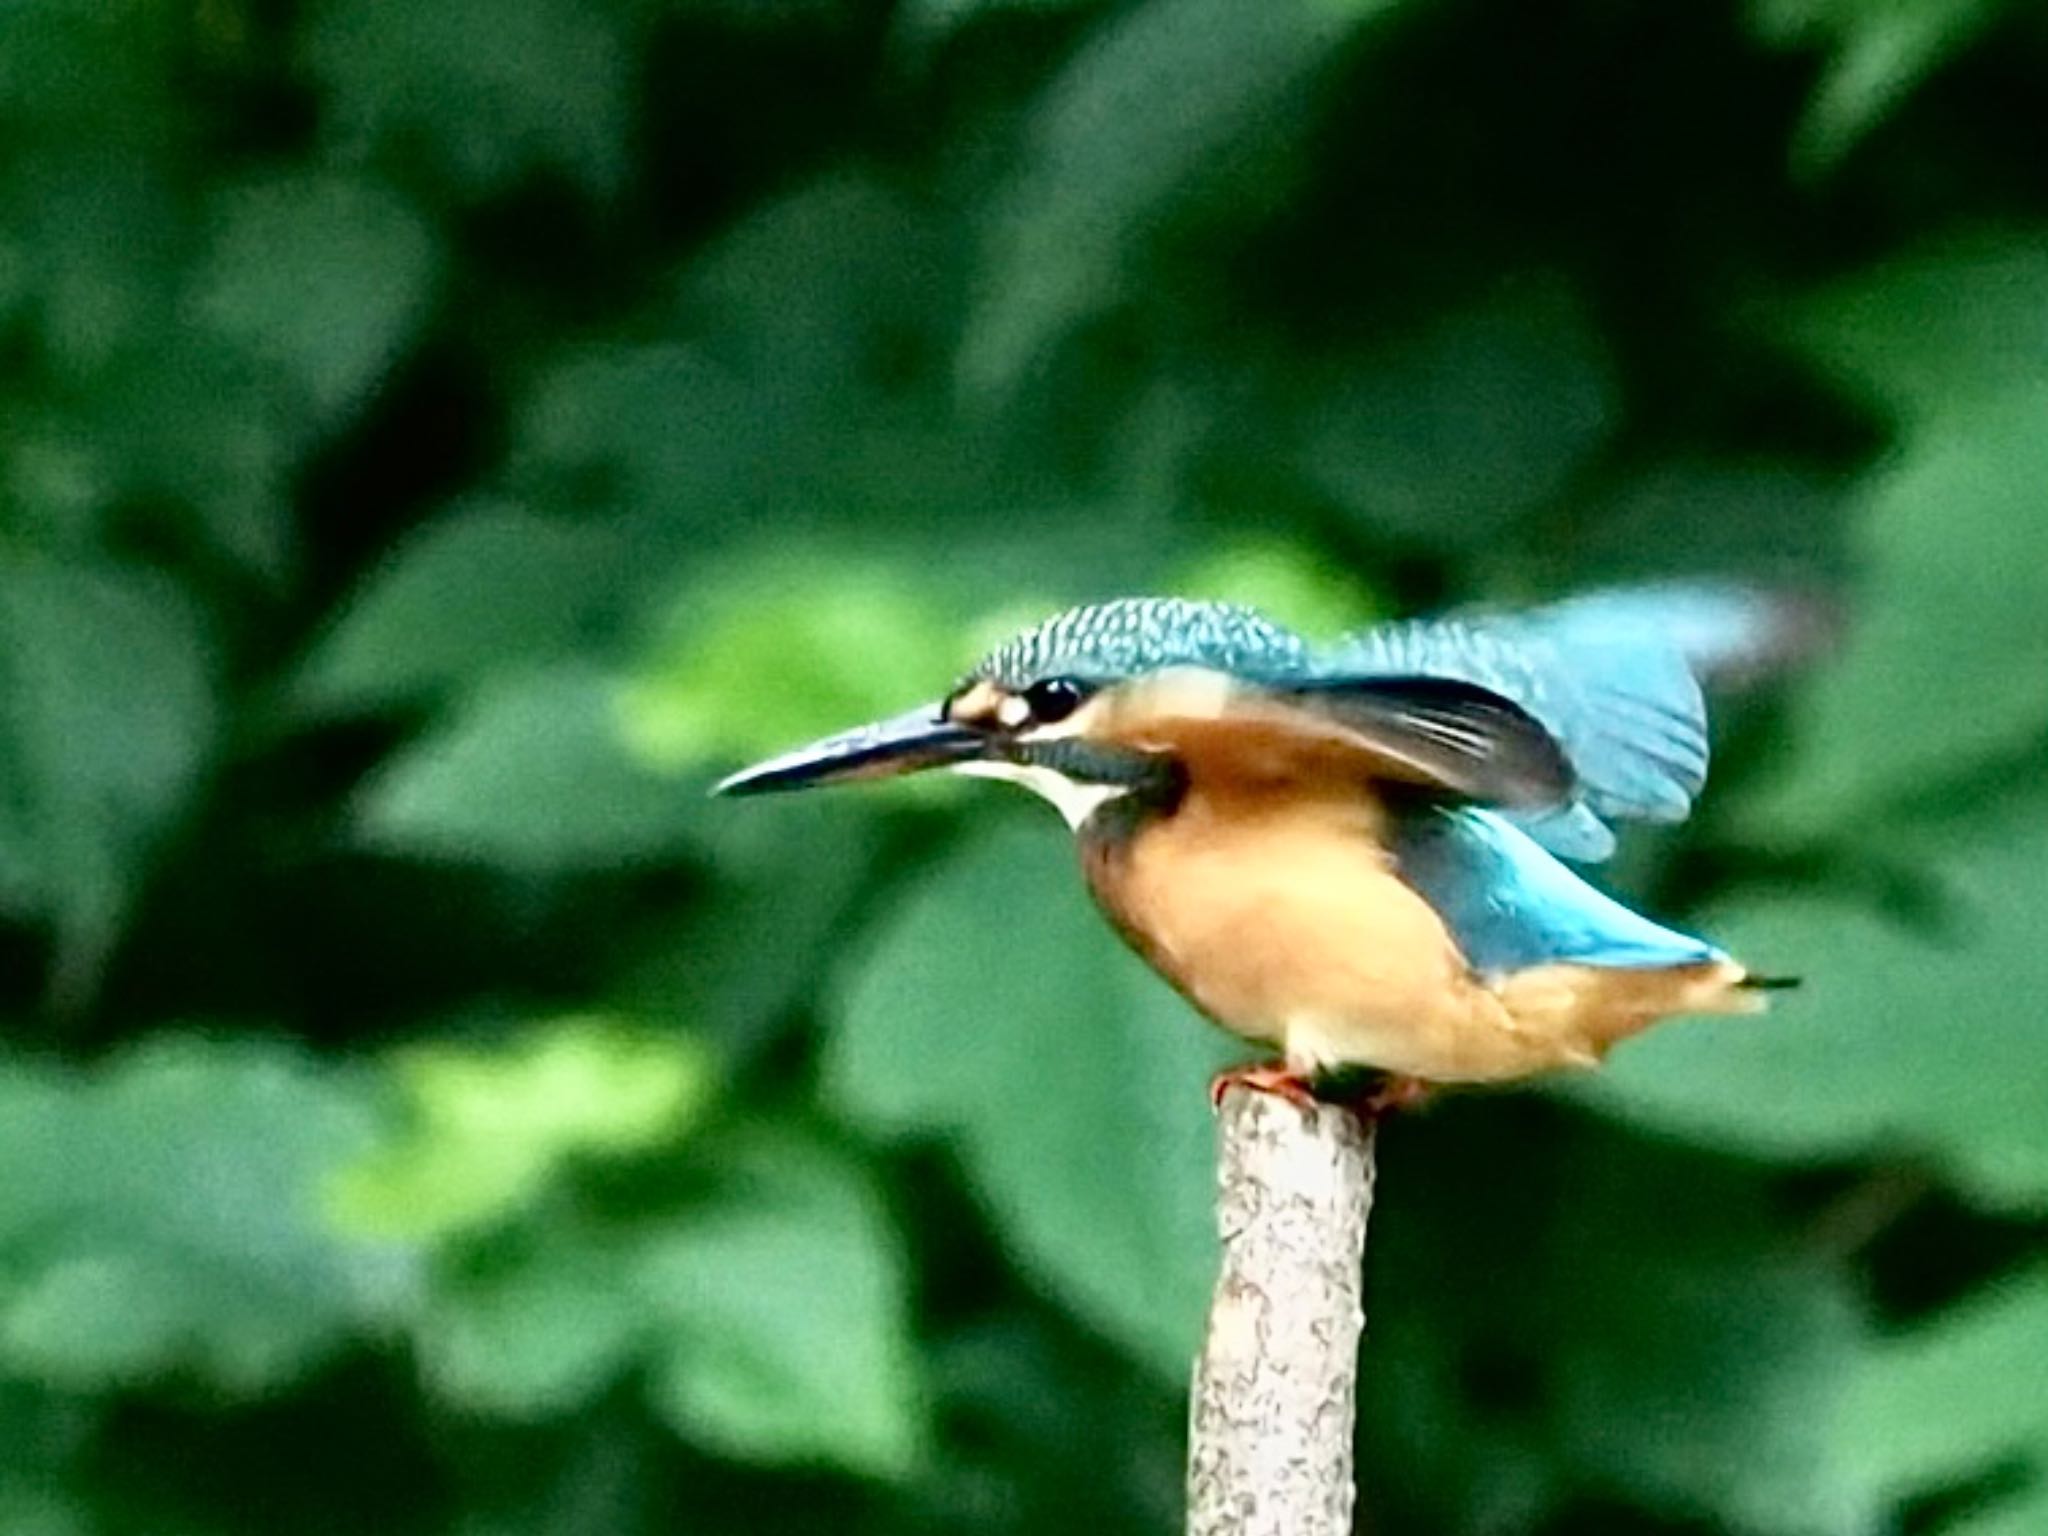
[(1054, 698)]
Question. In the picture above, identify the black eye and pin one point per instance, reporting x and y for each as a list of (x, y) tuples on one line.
[(1054, 698)]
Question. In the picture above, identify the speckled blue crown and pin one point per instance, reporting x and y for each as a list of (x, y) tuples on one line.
[(1104, 641)]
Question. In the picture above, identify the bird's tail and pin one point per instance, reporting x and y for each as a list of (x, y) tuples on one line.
[(1757, 983), (1596, 1007)]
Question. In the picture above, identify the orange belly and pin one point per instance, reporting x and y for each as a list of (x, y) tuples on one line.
[(1283, 919)]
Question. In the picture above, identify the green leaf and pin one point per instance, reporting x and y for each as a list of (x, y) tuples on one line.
[(1560, 1312), (1150, 108), (770, 1313), (772, 653), (487, 587), (80, 69), (27, 1511), (1448, 436), (1950, 342), (185, 418), (532, 1334), (101, 231), (1931, 333), (1899, 1046), (1703, 1373), (1289, 583), (929, 21), (161, 1215), (40, 1432), (1879, 52), (784, 1311), (490, 1127), (1944, 668), (57, 481), (107, 714), (532, 773), (490, 90), (668, 432), (324, 278), (1652, 1409), (2020, 1516), (1955, 1397), (819, 295), (156, 406), (793, 870), (1690, 513), (996, 1011)]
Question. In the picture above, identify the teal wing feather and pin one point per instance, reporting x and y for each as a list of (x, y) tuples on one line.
[(1615, 677), (1511, 905)]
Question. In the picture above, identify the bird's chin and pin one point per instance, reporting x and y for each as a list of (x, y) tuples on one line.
[(1075, 799)]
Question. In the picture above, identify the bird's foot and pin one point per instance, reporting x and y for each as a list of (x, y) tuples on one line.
[(1273, 1077), (1389, 1093), (1371, 1097), (1371, 1094)]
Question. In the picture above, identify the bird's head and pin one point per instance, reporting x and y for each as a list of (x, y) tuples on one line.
[(1024, 712)]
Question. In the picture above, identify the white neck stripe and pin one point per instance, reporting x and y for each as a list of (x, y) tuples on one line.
[(1074, 800)]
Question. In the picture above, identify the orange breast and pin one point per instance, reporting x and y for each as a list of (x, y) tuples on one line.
[(1282, 918), (1268, 897)]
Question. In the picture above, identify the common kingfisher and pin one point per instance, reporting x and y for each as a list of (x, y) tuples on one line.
[(1354, 851)]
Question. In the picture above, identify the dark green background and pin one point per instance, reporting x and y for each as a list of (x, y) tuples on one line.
[(438, 436)]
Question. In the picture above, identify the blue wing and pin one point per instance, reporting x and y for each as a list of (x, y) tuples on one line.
[(1511, 905), (1615, 677)]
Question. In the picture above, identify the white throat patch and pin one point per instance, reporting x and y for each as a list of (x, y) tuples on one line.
[(1075, 801)]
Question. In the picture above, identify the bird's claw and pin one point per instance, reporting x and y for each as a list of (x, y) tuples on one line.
[(1387, 1093), (1264, 1077)]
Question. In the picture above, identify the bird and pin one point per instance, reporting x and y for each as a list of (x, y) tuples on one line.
[(1358, 853)]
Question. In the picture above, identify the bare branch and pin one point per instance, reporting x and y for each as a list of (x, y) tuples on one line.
[(1275, 1390)]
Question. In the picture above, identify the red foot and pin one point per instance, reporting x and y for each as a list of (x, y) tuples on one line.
[(1263, 1077), (1388, 1093), (1391, 1094)]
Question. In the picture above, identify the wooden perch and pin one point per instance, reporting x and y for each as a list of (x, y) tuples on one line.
[(1275, 1390)]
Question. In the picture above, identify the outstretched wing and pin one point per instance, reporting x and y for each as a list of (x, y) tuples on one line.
[(1442, 733), (1614, 677)]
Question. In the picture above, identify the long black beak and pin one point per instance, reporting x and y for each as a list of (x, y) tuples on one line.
[(907, 743)]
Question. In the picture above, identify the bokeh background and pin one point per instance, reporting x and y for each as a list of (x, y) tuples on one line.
[(440, 436)]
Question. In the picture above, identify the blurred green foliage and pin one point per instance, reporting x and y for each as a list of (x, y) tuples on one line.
[(440, 436)]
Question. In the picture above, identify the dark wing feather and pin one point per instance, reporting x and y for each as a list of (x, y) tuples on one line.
[(1444, 734), (1457, 736)]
